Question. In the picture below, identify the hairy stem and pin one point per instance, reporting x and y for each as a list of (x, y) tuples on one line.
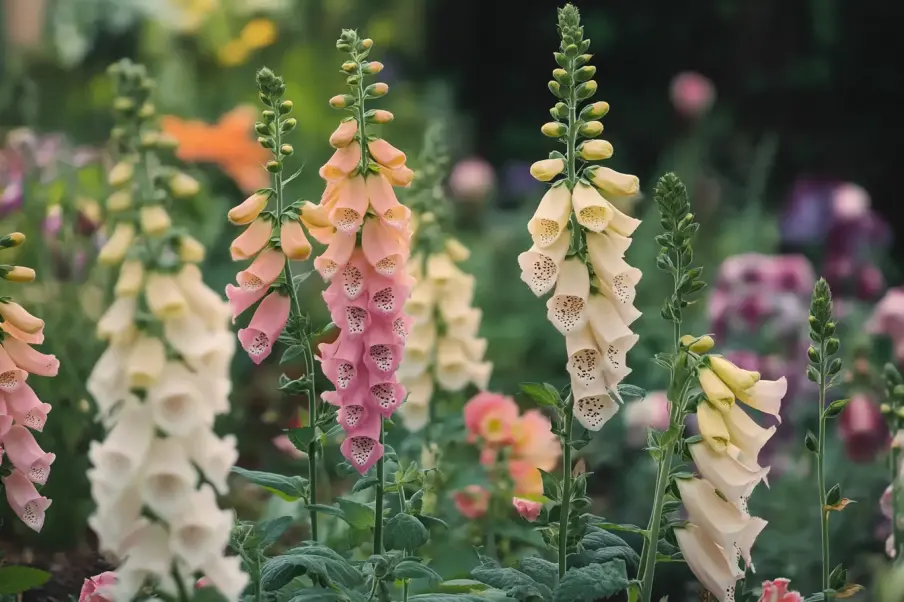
[(378, 510), (566, 490), (820, 469)]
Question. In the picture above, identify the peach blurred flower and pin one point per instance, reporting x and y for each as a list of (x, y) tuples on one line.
[(472, 501), (491, 417), (472, 179)]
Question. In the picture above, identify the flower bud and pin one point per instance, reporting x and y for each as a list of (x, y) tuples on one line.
[(149, 139), (342, 101), (596, 110), (585, 73), (373, 67), (554, 129), (123, 104), (885, 409), (813, 354), (288, 125), (184, 186), (263, 128), (285, 107), (247, 212), (19, 273), (154, 219), (595, 150), (585, 90), (571, 50), (190, 250), (349, 66), (266, 142), (117, 245), (121, 174), (701, 345), (381, 116), (366, 43), (119, 201), (591, 129), (165, 141), (353, 80), (561, 76), (286, 149), (555, 89), (147, 110), (376, 90), (832, 345), (13, 239), (274, 166), (560, 111), (456, 251), (269, 116), (547, 169)]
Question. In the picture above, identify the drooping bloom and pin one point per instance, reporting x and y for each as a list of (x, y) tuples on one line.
[(21, 412), (159, 386), (777, 591)]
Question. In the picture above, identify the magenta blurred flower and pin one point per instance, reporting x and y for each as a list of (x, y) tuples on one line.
[(808, 215), (888, 320), (744, 359), (650, 412), (862, 429), (472, 179), (692, 94)]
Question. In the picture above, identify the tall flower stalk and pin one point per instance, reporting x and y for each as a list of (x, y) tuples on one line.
[(893, 499), (162, 380), (21, 412), (273, 239), (579, 242), (367, 234)]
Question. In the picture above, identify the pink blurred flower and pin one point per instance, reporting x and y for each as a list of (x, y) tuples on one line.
[(692, 94), (491, 417), (472, 179), (528, 509), (283, 444), (91, 586), (534, 441), (777, 591), (850, 202), (650, 412), (888, 319), (862, 429), (870, 282), (472, 501), (885, 502)]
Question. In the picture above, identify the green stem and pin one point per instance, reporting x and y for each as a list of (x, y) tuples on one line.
[(896, 500), (648, 560), (312, 446), (566, 489), (820, 470), (362, 137), (180, 586), (405, 552), (378, 510)]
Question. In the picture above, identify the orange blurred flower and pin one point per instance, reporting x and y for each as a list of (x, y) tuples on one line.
[(230, 143)]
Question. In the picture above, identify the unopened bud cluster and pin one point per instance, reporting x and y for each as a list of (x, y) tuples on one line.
[(822, 334)]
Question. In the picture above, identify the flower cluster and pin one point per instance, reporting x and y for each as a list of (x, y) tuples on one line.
[(887, 320), (521, 443), (721, 531), (160, 382), (580, 237), (777, 591), (21, 412), (443, 350), (367, 234)]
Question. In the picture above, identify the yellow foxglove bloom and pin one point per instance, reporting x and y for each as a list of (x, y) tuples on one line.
[(20, 318), (131, 277), (118, 321), (415, 411), (605, 320), (595, 150), (456, 250), (615, 365), (766, 396), (121, 174), (421, 302), (119, 201), (732, 478), (612, 182), (547, 169), (465, 325), (184, 186), (746, 434), (418, 349), (154, 220), (566, 308), (618, 279), (585, 361), (146, 362), (453, 368), (736, 378), (540, 267), (716, 391), (712, 427), (164, 298), (592, 210), (708, 563), (19, 273), (118, 245), (550, 220), (593, 407), (190, 249), (441, 269)]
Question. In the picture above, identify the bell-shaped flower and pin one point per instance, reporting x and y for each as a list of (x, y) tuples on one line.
[(214, 456), (419, 349), (149, 557), (120, 456), (202, 300), (350, 316), (19, 317), (225, 574), (723, 522), (540, 267), (248, 211), (117, 515), (240, 300), (385, 248), (352, 416), (107, 382), (566, 309), (593, 406), (347, 214), (591, 209), (618, 279), (777, 591), (32, 338), (386, 154), (384, 203), (316, 221), (344, 134), (441, 270), (116, 247), (421, 303), (415, 412), (340, 361), (464, 326), (611, 182), (25, 501), (26, 455), (26, 409), (734, 480), (154, 219), (118, 321), (387, 296), (164, 297), (529, 510), (31, 360), (266, 325), (263, 271), (737, 379), (337, 254), (766, 396), (352, 278), (605, 321), (745, 433), (131, 278), (456, 298), (252, 241), (177, 402), (712, 427), (585, 362), (716, 391), (191, 337), (453, 368), (362, 451), (98, 588), (168, 478), (293, 241), (201, 531), (386, 393), (550, 220), (381, 354), (343, 162), (615, 365), (708, 563), (11, 376), (145, 364), (547, 169)]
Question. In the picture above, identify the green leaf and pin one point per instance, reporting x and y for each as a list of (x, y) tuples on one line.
[(317, 562), (836, 407), (208, 594), (543, 394), (288, 488), (408, 569), (356, 514), (293, 176), (404, 532), (626, 390), (432, 521), (271, 530), (834, 495), (540, 570), (299, 278), (301, 437), (599, 547), (18, 579), (324, 509), (811, 442), (446, 598), (317, 594), (462, 585), (513, 582), (592, 582), (365, 483), (551, 487), (625, 528), (291, 352)]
